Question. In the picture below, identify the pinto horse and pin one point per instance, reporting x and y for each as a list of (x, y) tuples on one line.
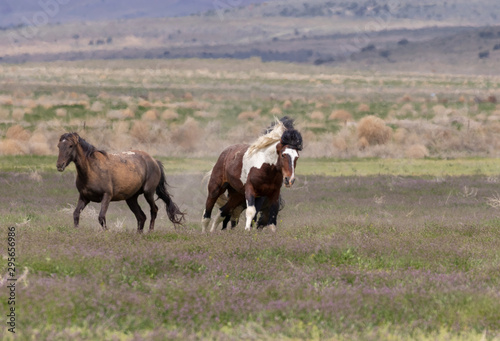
[(104, 177), (251, 172)]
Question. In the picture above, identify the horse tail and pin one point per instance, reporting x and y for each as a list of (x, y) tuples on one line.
[(175, 215), (206, 177)]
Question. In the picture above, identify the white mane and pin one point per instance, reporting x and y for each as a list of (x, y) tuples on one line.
[(268, 139)]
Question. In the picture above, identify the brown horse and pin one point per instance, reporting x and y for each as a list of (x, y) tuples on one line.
[(104, 177), (250, 172)]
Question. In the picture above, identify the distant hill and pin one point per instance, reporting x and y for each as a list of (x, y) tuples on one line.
[(460, 12), (22, 12), (451, 36)]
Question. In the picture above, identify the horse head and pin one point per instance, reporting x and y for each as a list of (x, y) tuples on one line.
[(288, 150), (67, 150)]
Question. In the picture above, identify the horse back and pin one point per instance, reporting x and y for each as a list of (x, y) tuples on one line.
[(132, 172), (228, 166)]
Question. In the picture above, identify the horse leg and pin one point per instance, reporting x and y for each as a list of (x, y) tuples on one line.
[(235, 214), (154, 209), (251, 210), (82, 202), (139, 214), (215, 190), (217, 220), (232, 209), (226, 221), (106, 199), (273, 213), (259, 204)]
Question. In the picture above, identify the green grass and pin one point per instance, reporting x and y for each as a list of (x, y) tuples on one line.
[(305, 166)]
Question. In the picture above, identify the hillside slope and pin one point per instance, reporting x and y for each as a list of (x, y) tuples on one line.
[(363, 34)]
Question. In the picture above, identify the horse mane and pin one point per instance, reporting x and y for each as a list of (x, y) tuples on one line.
[(273, 136), (287, 122), (89, 149), (292, 138)]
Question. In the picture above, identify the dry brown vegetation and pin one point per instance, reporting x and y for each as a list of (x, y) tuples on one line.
[(372, 130), (196, 116)]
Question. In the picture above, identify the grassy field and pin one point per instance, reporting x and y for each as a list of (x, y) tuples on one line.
[(391, 230), (368, 250)]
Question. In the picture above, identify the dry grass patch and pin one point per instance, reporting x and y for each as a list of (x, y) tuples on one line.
[(417, 151), (18, 114), (61, 112), (17, 132), (363, 107), (276, 111), (169, 114), (317, 115), (340, 115), (38, 144), (372, 130), (340, 143), (406, 98), (4, 113), (97, 106), (204, 114), (118, 114), (249, 115), (150, 115), (140, 130), (188, 135), (13, 147)]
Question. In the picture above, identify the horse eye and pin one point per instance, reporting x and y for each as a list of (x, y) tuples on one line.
[(71, 146)]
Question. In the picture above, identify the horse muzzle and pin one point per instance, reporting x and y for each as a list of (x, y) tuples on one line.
[(61, 167), (288, 181)]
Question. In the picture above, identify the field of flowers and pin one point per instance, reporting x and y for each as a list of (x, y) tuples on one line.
[(355, 257)]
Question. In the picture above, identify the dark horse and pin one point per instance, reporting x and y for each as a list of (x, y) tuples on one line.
[(104, 177), (251, 172)]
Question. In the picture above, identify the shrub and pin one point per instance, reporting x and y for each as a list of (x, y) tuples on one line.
[(484, 54), (150, 115), (140, 130), (188, 135), (317, 115), (61, 112), (249, 115), (374, 130), (169, 114), (16, 132), (13, 147), (363, 107), (417, 151), (38, 144), (97, 106), (340, 115)]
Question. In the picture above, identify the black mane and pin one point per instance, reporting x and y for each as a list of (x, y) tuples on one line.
[(287, 122), (292, 138), (89, 149)]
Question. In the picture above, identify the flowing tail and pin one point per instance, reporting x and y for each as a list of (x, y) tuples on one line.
[(175, 215)]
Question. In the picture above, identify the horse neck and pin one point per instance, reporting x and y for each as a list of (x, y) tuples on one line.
[(82, 162)]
